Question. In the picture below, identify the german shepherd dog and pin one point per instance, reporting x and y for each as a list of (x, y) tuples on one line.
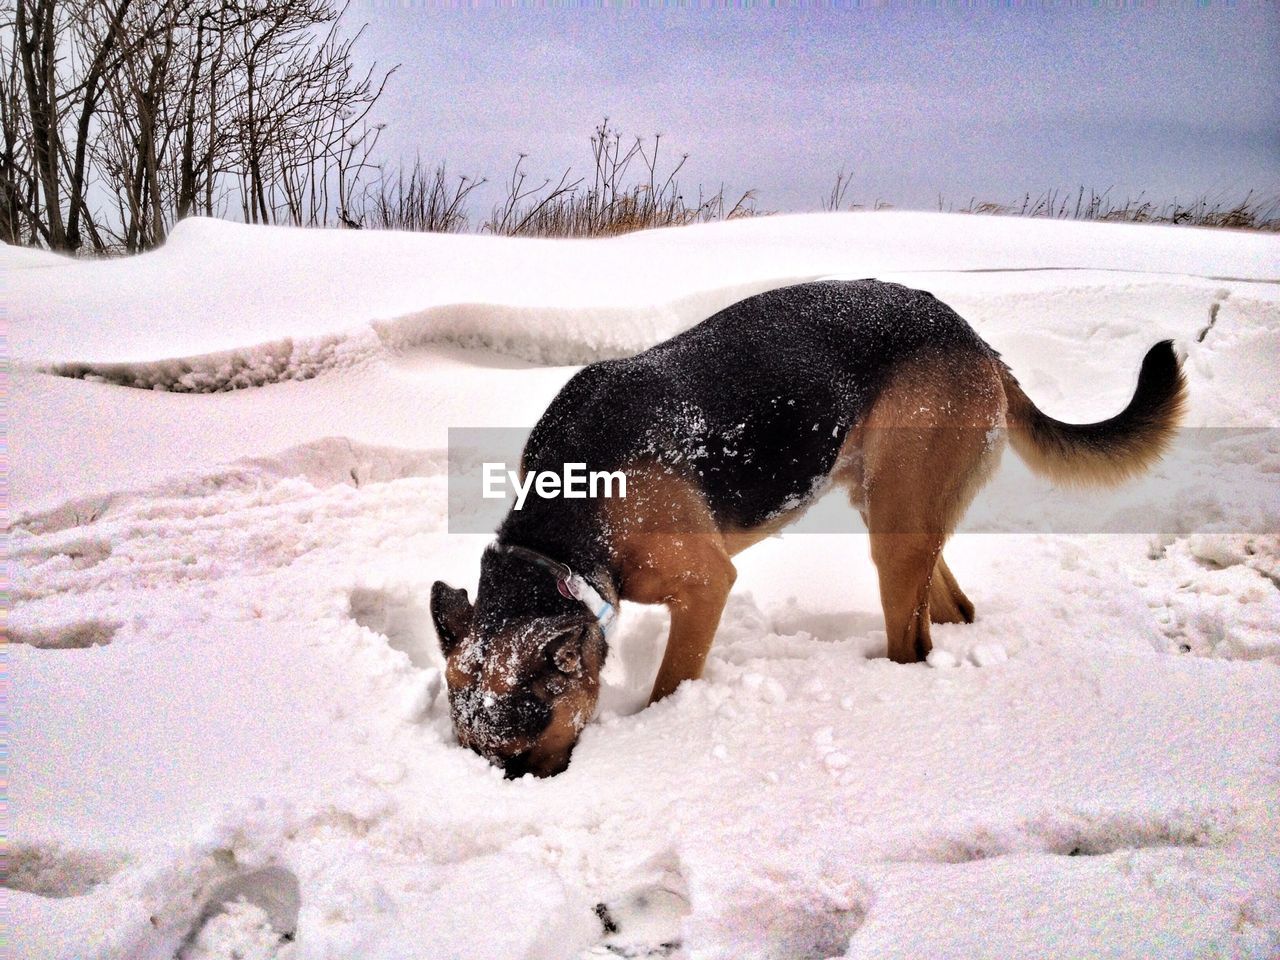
[(726, 433)]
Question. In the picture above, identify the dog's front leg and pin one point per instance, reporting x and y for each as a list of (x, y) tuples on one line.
[(671, 552), (695, 605)]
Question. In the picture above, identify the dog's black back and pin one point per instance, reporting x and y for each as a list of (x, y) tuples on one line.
[(753, 404)]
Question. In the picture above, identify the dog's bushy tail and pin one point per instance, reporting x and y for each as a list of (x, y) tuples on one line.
[(1110, 451)]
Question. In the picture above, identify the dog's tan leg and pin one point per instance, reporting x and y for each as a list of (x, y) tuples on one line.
[(672, 552), (925, 453), (692, 575), (695, 605), (904, 562), (947, 602)]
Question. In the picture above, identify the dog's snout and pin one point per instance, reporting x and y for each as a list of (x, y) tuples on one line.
[(532, 761), (515, 767)]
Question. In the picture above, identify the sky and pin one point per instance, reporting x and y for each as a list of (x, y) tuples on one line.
[(913, 102)]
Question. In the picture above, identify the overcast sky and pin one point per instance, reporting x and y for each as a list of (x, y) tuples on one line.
[(913, 101)]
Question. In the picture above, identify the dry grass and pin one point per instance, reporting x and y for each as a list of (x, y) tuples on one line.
[(1251, 213), (631, 186), (426, 201), (628, 191)]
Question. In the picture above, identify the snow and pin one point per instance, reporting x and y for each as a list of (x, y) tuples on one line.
[(228, 732)]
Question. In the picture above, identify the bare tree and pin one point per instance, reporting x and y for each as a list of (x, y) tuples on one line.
[(18, 189), (121, 116)]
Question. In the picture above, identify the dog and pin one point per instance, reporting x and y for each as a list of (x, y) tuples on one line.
[(726, 433)]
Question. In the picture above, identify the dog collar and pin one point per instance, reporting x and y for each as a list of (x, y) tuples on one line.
[(571, 585)]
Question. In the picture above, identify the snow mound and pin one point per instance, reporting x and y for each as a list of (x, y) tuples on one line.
[(544, 336), (228, 668), (310, 466), (217, 287)]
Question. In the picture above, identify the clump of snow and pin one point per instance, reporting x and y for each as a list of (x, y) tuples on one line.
[(230, 736), (942, 659)]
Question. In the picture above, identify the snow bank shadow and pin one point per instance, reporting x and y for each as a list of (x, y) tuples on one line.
[(79, 512), (765, 916), (830, 627), (51, 871), (562, 335), (1067, 837), (237, 369), (777, 916), (249, 915), (79, 635), (538, 335), (322, 464), (77, 553), (792, 632), (330, 461), (398, 615), (747, 634)]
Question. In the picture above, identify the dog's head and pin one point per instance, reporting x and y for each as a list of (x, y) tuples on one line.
[(523, 666)]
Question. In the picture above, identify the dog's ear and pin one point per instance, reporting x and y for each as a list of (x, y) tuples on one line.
[(568, 655), (451, 613)]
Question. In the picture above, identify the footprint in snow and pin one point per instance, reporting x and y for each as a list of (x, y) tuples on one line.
[(642, 924), (78, 554), (397, 615), (77, 635), (253, 916), (54, 872)]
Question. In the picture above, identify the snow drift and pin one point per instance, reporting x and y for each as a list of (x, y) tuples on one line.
[(228, 731)]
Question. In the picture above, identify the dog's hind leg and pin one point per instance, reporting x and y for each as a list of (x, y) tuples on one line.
[(926, 451), (907, 533), (947, 602), (914, 497), (904, 562), (900, 562)]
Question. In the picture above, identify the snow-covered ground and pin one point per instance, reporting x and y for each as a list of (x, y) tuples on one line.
[(228, 733)]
